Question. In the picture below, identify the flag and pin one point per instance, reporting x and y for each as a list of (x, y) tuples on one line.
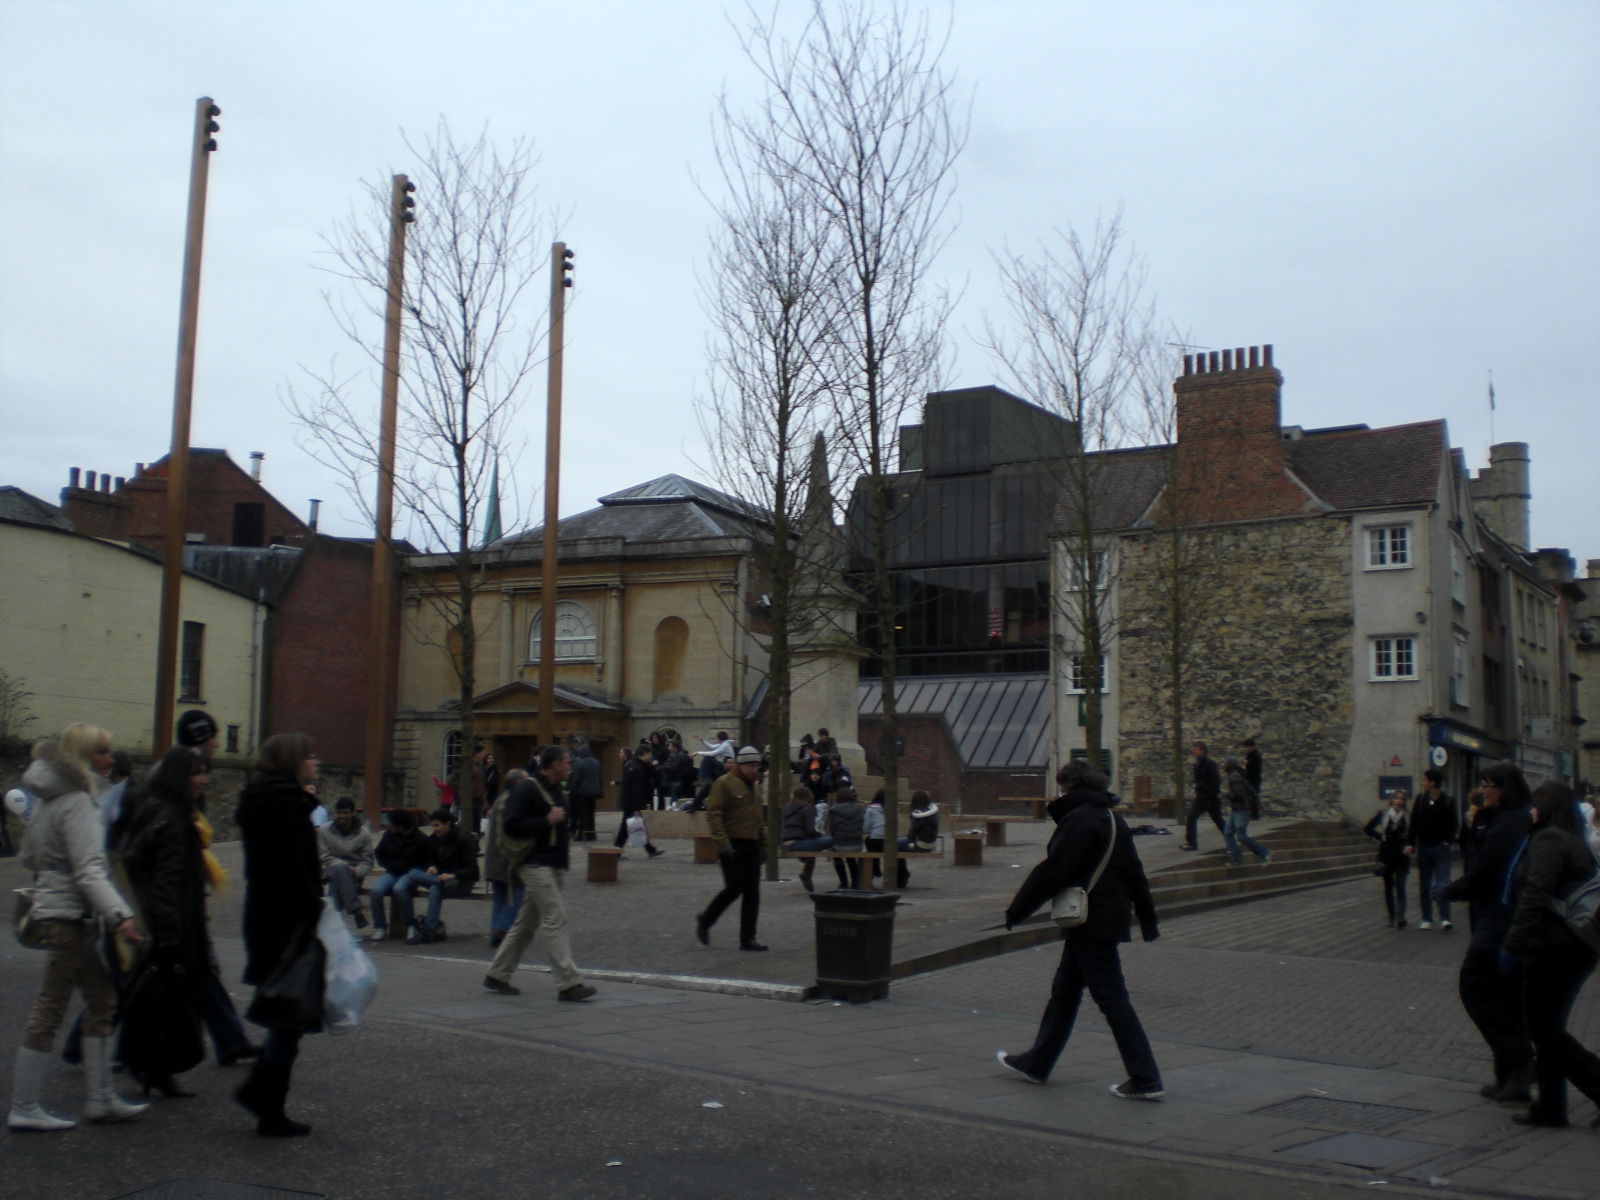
[(491, 520)]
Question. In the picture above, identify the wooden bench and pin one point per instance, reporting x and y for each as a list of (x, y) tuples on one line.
[(994, 828), (861, 860), (1036, 805)]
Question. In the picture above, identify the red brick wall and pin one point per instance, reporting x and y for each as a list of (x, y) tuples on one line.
[(317, 680), (931, 763)]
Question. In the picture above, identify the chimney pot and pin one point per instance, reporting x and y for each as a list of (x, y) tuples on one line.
[(316, 507), (1227, 360), (255, 464), (1266, 356), (1188, 364), (120, 482), (72, 476), (105, 481)]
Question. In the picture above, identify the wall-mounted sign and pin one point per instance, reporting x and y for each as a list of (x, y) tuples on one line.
[(1438, 756)]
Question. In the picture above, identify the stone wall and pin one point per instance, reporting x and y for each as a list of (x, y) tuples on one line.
[(1269, 656)]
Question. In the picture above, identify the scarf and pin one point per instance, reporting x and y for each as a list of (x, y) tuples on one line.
[(216, 873)]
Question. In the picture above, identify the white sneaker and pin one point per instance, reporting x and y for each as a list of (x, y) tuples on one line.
[(1446, 926), (1426, 925)]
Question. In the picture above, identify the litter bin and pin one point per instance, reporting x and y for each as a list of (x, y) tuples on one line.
[(855, 938)]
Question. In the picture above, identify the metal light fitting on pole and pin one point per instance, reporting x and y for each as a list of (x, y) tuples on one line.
[(177, 495)]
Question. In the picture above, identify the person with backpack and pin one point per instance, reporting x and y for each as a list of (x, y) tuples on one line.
[(1553, 962), (533, 840), (1244, 804)]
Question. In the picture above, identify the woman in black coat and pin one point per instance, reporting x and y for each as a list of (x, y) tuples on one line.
[(161, 851), (1085, 824), (1393, 830), (1554, 962), (282, 901)]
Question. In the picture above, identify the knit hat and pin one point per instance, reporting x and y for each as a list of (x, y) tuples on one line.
[(196, 728), (748, 754)]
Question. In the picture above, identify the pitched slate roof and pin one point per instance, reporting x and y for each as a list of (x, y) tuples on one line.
[(28, 509), (1122, 487), (1350, 467), (668, 509), (1372, 468)]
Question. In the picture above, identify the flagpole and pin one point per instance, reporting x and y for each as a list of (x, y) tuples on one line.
[(1491, 407)]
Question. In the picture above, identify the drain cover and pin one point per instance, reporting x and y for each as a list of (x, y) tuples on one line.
[(1362, 1150), (1341, 1114), (216, 1189)]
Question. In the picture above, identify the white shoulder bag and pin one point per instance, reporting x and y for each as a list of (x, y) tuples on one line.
[(1070, 908)]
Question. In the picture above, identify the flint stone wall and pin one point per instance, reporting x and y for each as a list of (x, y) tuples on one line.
[(1269, 657)]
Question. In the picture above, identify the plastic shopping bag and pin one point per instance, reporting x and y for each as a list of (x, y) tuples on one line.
[(350, 978)]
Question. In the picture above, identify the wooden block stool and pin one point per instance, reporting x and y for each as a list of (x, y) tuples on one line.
[(968, 850), (603, 864)]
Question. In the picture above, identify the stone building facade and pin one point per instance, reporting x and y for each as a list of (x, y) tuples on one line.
[(1351, 597)]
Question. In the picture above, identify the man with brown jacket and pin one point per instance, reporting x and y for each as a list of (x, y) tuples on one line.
[(733, 811)]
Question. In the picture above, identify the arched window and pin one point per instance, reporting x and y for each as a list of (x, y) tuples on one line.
[(575, 632), (452, 752), (672, 645)]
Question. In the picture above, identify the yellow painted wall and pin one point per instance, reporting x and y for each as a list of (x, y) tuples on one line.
[(79, 626)]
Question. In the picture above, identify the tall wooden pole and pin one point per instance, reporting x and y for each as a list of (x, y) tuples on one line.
[(560, 281), (400, 214), (177, 499)]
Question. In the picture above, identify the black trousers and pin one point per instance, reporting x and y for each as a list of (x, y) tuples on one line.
[(1551, 980), (1095, 965), (580, 818), (741, 880), (1196, 807), (621, 839), (1494, 1003), (1394, 889)]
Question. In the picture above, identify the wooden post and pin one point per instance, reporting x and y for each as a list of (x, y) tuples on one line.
[(560, 281), (177, 498), (400, 214)]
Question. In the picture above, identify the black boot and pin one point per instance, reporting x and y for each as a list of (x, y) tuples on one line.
[(263, 1094)]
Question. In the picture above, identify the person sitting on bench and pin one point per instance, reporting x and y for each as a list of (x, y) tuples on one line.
[(799, 831), (847, 826), (453, 872), (346, 850), (405, 853)]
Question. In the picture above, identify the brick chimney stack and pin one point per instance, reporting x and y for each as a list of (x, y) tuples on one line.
[(1231, 463)]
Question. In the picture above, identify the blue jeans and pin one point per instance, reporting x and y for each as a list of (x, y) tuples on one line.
[(1433, 869), (402, 886), (1097, 966), (504, 901), (1236, 830)]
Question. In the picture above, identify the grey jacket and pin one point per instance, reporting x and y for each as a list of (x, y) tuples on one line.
[(353, 849), (66, 847)]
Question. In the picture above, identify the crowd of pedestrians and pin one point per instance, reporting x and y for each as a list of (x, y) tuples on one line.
[(123, 872)]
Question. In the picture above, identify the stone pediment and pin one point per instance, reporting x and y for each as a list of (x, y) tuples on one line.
[(521, 696)]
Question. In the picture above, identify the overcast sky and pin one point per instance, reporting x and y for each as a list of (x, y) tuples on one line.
[(1400, 196)]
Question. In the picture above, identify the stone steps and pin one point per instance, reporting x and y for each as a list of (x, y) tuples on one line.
[(1303, 857)]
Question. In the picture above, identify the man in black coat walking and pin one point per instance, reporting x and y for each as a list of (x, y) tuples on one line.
[(1088, 833), (1207, 795)]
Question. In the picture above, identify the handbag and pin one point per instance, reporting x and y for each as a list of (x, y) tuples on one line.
[(161, 1022), (24, 924), (1070, 908), (291, 998)]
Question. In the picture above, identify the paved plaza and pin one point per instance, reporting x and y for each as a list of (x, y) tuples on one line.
[(1307, 1050)]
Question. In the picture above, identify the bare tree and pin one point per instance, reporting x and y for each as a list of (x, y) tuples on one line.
[(471, 337), (772, 267), (857, 121), (1081, 338)]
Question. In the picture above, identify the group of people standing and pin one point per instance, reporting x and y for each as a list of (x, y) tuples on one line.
[(121, 878), (1523, 966)]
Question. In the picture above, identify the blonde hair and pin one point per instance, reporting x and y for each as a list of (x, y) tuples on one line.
[(78, 744)]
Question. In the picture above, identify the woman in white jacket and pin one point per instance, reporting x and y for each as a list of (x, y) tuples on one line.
[(65, 849)]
